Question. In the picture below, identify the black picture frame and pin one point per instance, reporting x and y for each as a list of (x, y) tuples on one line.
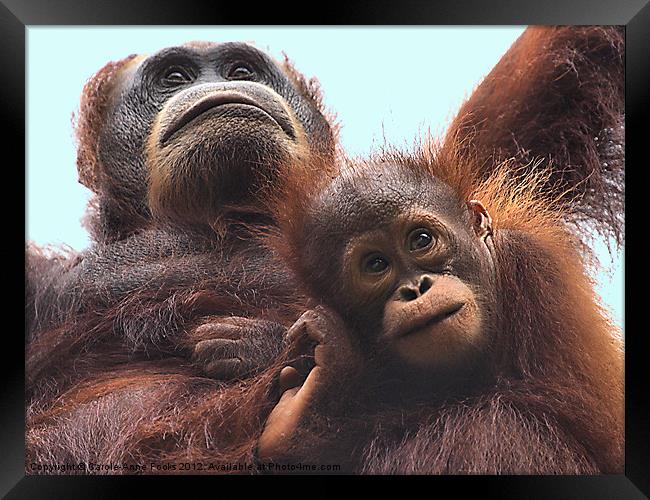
[(16, 15)]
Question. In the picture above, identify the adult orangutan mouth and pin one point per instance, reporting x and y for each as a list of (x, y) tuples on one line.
[(220, 98)]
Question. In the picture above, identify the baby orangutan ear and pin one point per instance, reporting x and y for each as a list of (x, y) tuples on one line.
[(482, 219)]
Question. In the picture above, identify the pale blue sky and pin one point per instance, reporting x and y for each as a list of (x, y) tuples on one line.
[(384, 84)]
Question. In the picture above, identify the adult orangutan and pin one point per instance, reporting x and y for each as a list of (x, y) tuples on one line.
[(182, 148)]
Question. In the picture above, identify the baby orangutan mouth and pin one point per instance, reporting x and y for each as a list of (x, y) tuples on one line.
[(435, 328), (424, 325), (443, 307)]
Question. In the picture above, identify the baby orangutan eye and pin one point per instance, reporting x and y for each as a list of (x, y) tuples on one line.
[(419, 239), (375, 264)]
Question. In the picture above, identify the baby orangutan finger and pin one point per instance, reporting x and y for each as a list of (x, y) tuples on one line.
[(283, 423), (289, 378)]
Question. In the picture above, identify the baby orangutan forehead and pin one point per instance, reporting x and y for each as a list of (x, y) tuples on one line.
[(374, 196)]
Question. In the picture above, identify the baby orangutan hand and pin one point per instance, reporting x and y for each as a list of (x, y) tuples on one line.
[(313, 383)]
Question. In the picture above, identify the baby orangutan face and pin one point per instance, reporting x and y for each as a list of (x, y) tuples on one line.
[(406, 263), (424, 275)]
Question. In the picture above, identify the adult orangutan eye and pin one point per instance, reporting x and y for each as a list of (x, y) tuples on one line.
[(419, 239), (240, 71), (176, 76), (375, 264)]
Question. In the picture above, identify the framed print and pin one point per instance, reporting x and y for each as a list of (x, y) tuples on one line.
[(171, 263)]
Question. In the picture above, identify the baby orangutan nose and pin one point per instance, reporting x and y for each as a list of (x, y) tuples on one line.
[(413, 291)]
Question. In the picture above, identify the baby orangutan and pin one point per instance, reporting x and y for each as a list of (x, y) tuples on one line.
[(452, 335)]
